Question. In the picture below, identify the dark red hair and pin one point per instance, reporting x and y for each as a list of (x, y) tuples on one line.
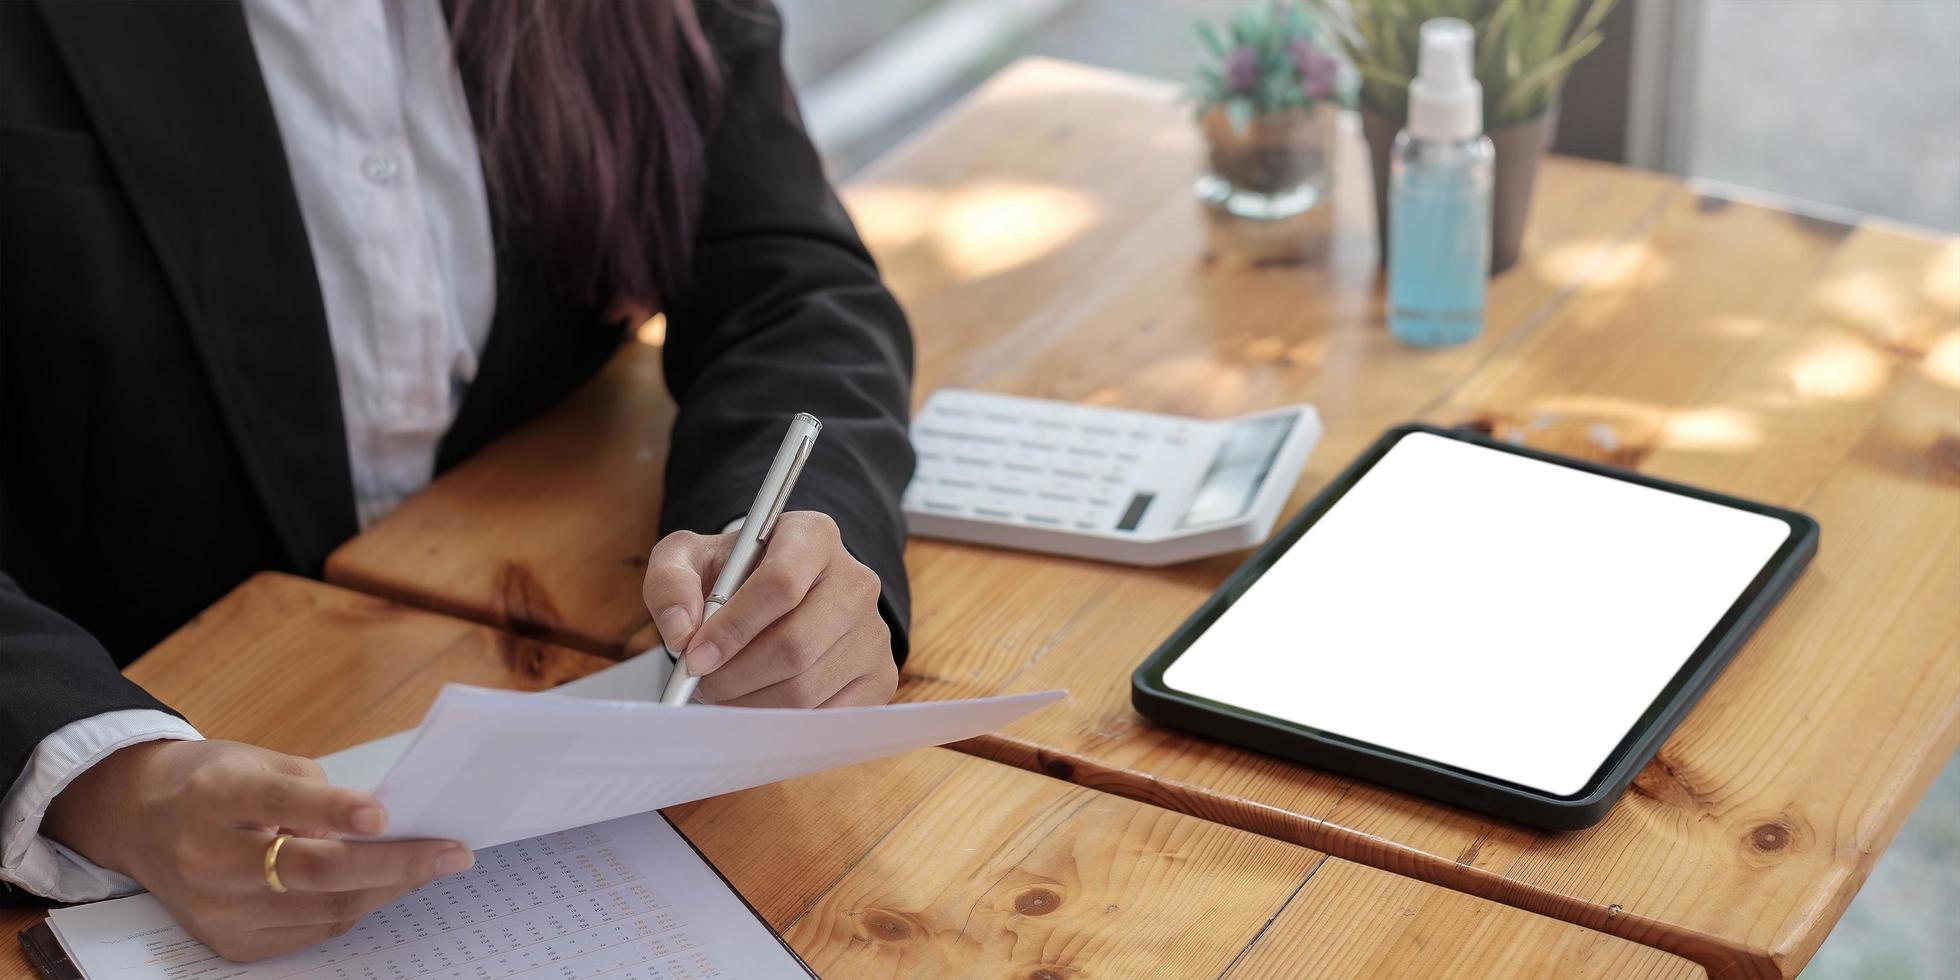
[(592, 120)]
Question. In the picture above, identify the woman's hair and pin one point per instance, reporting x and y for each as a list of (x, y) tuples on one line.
[(592, 119)]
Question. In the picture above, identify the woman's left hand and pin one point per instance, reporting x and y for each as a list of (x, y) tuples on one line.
[(803, 631)]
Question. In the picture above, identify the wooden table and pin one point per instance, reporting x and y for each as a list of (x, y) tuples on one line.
[(931, 863), (1042, 237), (1037, 253)]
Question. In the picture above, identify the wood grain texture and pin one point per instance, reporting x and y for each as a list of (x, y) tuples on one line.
[(927, 864), (1413, 930), (1043, 240), (999, 872), (309, 669), (1819, 372), (1037, 251), (430, 552), (13, 962)]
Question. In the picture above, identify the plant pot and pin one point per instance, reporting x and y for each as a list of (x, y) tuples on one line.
[(1519, 148), (1262, 185), (1275, 169), (1378, 130)]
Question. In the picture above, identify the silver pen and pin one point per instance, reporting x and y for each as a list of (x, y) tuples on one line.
[(753, 536)]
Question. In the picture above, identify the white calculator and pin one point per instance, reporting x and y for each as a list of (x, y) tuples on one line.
[(1101, 483)]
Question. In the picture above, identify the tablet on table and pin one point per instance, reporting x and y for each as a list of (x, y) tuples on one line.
[(1486, 624)]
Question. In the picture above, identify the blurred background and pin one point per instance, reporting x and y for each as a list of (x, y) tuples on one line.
[(1835, 104), (1836, 108)]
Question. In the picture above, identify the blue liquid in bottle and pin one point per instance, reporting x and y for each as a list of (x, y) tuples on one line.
[(1438, 239), (1439, 178)]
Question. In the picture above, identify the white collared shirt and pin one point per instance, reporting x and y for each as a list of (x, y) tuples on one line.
[(384, 162)]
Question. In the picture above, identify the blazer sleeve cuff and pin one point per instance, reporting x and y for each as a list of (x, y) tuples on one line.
[(46, 867)]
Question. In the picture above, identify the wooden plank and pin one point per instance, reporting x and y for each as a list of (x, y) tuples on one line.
[(13, 962), (368, 666), (431, 553), (1743, 350), (928, 864), (1043, 238), (999, 872), (1424, 932), (1728, 345)]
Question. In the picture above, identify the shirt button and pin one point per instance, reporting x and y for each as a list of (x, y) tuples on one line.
[(380, 168)]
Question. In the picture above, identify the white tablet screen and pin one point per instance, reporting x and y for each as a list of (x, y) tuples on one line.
[(1483, 610)]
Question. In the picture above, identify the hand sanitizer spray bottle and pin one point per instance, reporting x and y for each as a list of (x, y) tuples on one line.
[(1439, 197)]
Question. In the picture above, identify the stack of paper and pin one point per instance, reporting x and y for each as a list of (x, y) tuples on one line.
[(627, 899), (593, 883), (493, 766)]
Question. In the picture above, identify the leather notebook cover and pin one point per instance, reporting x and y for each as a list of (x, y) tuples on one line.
[(45, 953)]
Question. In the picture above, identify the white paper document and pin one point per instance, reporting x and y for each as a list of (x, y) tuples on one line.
[(488, 766), (628, 899), (640, 678), (574, 877)]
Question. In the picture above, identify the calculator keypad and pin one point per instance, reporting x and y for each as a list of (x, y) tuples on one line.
[(1044, 464)]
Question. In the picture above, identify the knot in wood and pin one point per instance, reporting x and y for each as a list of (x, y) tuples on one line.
[(1056, 767), (1770, 837), (883, 925), (1037, 901)]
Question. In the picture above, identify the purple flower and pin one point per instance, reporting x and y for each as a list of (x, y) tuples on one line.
[(1242, 69), (1318, 69)]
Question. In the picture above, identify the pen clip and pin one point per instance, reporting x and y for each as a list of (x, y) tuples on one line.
[(789, 481)]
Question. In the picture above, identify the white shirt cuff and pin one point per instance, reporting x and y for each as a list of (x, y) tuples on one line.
[(48, 868)]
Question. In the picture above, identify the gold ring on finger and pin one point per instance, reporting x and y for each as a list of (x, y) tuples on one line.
[(272, 863)]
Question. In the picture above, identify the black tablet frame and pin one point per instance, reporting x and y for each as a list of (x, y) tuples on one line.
[(1159, 702)]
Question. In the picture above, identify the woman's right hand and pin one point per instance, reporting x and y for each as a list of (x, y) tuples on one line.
[(192, 821)]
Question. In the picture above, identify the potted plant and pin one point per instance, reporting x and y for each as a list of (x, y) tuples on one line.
[(1265, 96), (1525, 49)]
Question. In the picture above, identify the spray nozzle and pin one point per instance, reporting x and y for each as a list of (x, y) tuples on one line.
[(1445, 101), (1444, 55)]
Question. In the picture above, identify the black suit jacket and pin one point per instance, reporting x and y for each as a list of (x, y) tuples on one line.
[(169, 417)]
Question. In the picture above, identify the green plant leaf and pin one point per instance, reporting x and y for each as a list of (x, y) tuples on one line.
[(1514, 60), (1395, 55), (1519, 98), (1364, 27), (1594, 15), (1209, 87), (1524, 48), (1549, 37), (1265, 33), (1215, 45), (1370, 73), (1492, 32), (1301, 24)]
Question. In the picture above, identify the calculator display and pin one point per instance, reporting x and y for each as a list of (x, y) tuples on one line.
[(1232, 479)]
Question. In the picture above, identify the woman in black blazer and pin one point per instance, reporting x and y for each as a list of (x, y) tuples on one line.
[(265, 267)]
